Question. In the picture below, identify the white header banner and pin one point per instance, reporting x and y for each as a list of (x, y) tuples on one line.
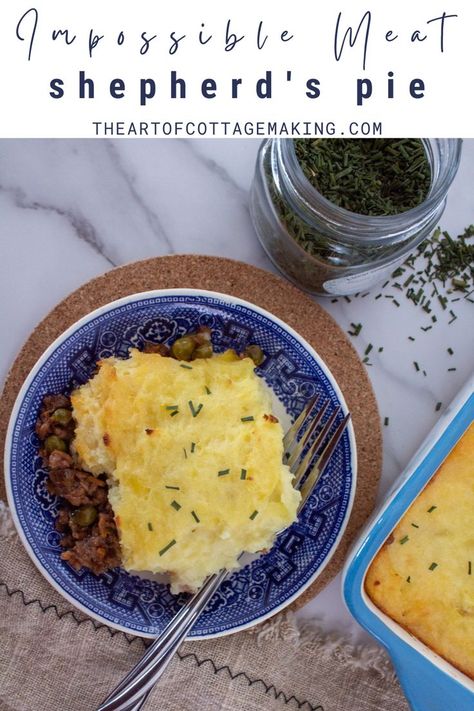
[(213, 68)]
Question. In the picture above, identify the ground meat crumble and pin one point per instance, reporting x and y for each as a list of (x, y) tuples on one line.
[(85, 518)]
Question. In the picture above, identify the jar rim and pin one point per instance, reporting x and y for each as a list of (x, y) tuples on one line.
[(375, 227)]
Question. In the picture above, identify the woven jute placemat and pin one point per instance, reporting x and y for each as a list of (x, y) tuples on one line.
[(263, 289)]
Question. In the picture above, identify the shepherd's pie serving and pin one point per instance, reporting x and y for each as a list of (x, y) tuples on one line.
[(423, 576), (193, 460)]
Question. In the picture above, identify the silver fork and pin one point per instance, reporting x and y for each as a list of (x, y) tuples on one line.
[(301, 443)]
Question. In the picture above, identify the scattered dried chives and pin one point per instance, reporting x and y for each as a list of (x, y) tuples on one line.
[(175, 505), (404, 540), (167, 547), (253, 515), (433, 566), (195, 411), (356, 329), (149, 526)]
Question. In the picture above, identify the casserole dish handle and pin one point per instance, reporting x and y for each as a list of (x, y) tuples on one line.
[(425, 687)]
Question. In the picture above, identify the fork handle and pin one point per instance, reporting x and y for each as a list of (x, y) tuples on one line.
[(128, 695)]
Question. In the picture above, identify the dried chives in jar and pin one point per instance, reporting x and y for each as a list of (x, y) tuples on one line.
[(380, 176), (338, 215)]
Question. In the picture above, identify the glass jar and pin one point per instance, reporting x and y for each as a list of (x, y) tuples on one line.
[(352, 252)]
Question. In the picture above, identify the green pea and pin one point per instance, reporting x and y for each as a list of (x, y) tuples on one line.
[(61, 416), (204, 351), (53, 443), (255, 353), (183, 348), (85, 516)]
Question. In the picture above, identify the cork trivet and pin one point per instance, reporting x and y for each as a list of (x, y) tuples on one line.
[(264, 289)]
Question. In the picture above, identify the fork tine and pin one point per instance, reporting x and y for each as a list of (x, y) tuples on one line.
[(290, 436), (302, 467), (322, 461), (299, 446)]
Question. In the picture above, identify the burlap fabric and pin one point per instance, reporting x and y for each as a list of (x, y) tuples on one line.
[(53, 657)]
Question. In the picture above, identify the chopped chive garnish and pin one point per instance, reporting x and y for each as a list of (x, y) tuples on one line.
[(175, 412), (209, 392), (368, 349), (409, 579), (167, 547), (356, 329), (380, 349), (403, 540), (250, 418), (193, 446), (175, 505), (195, 410), (415, 525), (438, 406), (431, 509), (433, 566), (150, 527), (252, 516), (417, 367), (243, 473), (410, 338), (185, 453), (386, 421), (172, 407), (469, 567), (188, 367), (450, 351), (195, 516), (450, 370), (175, 488), (223, 472)]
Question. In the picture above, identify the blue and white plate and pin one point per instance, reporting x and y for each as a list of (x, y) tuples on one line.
[(293, 371)]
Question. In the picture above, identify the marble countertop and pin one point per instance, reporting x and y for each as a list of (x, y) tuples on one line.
[(70, 210)]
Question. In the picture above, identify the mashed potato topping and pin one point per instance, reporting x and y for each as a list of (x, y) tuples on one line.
[(423, 576), (196, 460)]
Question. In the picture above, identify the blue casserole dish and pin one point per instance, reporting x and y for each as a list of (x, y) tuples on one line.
[(429, 682)]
